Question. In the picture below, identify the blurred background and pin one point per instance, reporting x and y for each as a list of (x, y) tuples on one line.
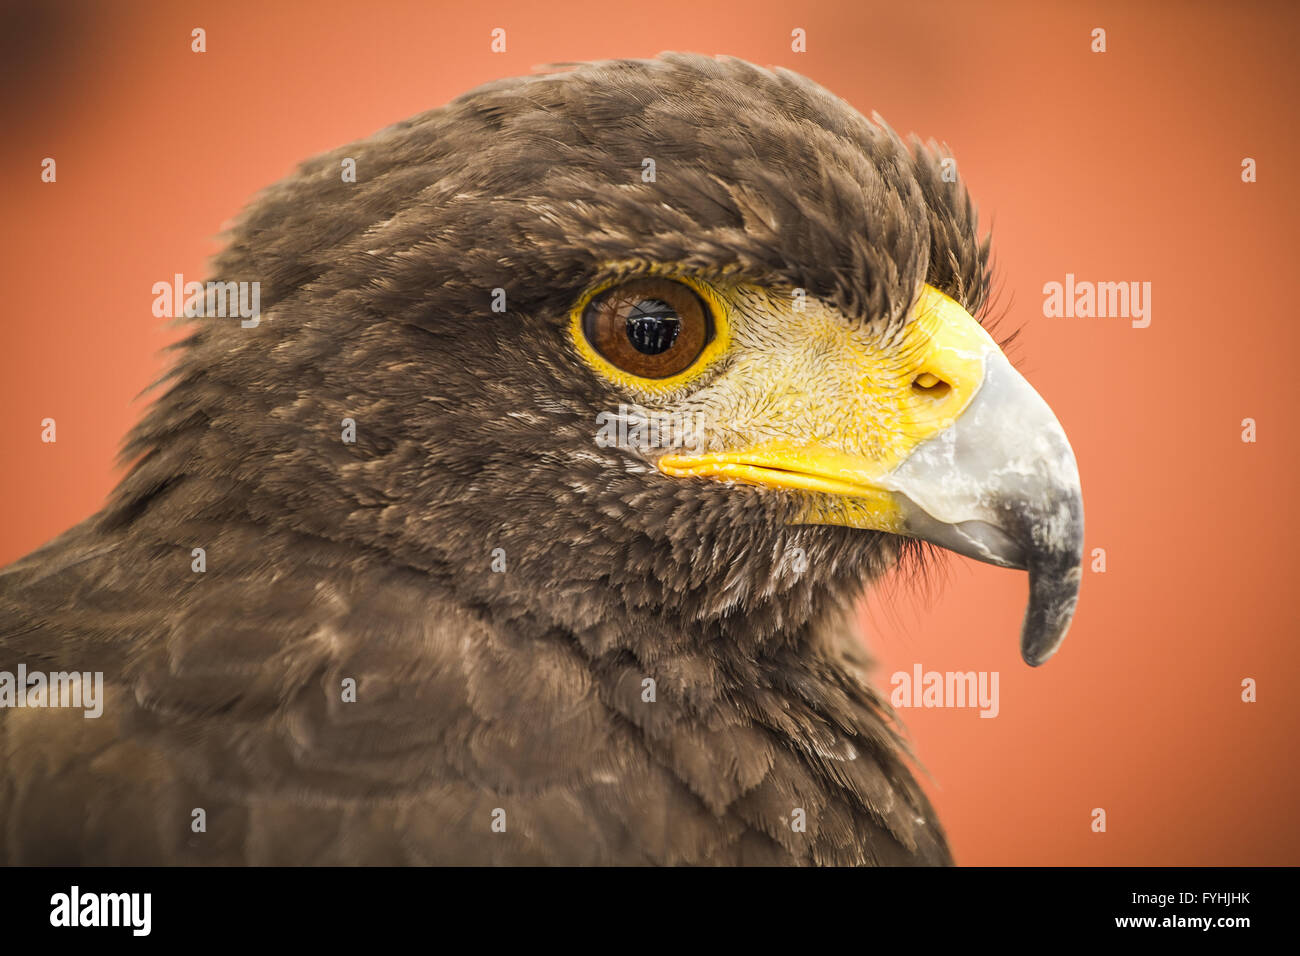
[(1117, 166)]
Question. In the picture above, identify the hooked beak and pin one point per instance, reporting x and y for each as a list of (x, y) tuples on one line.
[(975, 462)]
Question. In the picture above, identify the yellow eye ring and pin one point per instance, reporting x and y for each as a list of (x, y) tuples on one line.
[(713, 300)]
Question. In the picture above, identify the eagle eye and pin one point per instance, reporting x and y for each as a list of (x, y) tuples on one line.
[(649, 327)]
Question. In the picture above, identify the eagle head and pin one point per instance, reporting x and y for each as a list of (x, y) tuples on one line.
[(683, 346)]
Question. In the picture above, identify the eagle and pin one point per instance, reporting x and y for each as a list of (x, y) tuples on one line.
[(526, 523)]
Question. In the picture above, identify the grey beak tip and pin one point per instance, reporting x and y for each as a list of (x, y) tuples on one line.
[(1038, 656), (1048, 618)]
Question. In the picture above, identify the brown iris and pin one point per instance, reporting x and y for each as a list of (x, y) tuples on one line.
[(650, 327)]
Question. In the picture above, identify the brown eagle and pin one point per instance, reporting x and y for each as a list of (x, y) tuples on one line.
[(525, 522)]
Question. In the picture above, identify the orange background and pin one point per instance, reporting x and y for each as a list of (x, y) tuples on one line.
[(1123, 166)]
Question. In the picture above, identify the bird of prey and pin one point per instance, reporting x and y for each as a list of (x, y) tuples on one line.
[(534, 509)]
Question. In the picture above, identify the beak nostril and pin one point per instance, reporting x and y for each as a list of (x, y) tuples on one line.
[(931, 385)]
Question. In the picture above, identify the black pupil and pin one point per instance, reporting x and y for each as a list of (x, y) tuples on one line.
[(652, 326)]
